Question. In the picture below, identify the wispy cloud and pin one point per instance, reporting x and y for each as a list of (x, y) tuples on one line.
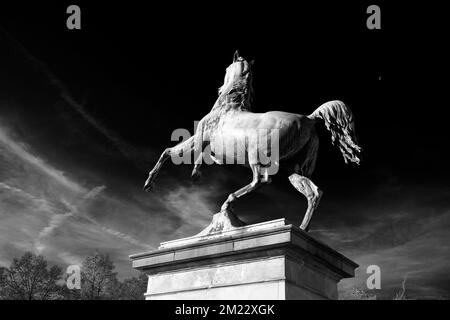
[(125, 237), (21, 151), (40, 204), (94, 192), (125, 148), (409, 241), (69, 258), (55, 221), (192, 207), (55, 215), (58, 219)]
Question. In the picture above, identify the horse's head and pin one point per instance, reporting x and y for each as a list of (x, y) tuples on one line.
[(238, 73)]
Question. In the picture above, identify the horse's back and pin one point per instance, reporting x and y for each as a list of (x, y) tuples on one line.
[(290, 131), (295, 130), (290, 126), (268, 120)]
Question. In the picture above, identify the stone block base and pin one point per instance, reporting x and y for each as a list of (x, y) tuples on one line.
[(268, 261)]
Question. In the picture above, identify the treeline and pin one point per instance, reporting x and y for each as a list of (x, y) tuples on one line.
[(31, 278)]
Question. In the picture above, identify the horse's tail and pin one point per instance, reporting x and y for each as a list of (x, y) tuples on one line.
[(338, 119)]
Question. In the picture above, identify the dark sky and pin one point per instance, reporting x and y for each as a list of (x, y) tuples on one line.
[(85, 114)]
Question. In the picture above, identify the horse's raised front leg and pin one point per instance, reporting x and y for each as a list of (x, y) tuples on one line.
[(196, 173), (149, 183), (256, 182), (312, 194), (182, 149)]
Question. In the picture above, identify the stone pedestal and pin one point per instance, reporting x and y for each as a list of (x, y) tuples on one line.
[(270, 260)]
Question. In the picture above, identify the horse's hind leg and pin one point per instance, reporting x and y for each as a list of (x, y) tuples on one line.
[(256, 182), (312, 193)]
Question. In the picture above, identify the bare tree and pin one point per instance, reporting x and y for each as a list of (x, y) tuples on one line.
[(2, 282), (401, 295), (97, 277), (28, 278), (358, 294), (134, 288)]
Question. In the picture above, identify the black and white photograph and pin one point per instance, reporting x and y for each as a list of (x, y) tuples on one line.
[(216, 154)]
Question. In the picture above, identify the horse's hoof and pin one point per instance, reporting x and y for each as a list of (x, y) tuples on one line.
[(195, 176), (227, 208), (149, 186)]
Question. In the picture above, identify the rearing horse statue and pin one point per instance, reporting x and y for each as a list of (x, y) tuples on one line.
[(232, 133)]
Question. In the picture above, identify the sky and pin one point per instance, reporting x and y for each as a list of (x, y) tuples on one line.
[(85, 114)]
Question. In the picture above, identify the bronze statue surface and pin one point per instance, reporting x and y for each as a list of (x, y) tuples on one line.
[(232, 133)]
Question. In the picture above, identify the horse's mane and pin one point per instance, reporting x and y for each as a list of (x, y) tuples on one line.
[(238, 97)]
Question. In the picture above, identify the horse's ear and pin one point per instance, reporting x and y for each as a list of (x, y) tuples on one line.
[(236, 56)]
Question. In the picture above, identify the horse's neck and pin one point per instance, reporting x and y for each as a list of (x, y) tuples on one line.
[(234, 99), (218, 112), (235, 95)]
